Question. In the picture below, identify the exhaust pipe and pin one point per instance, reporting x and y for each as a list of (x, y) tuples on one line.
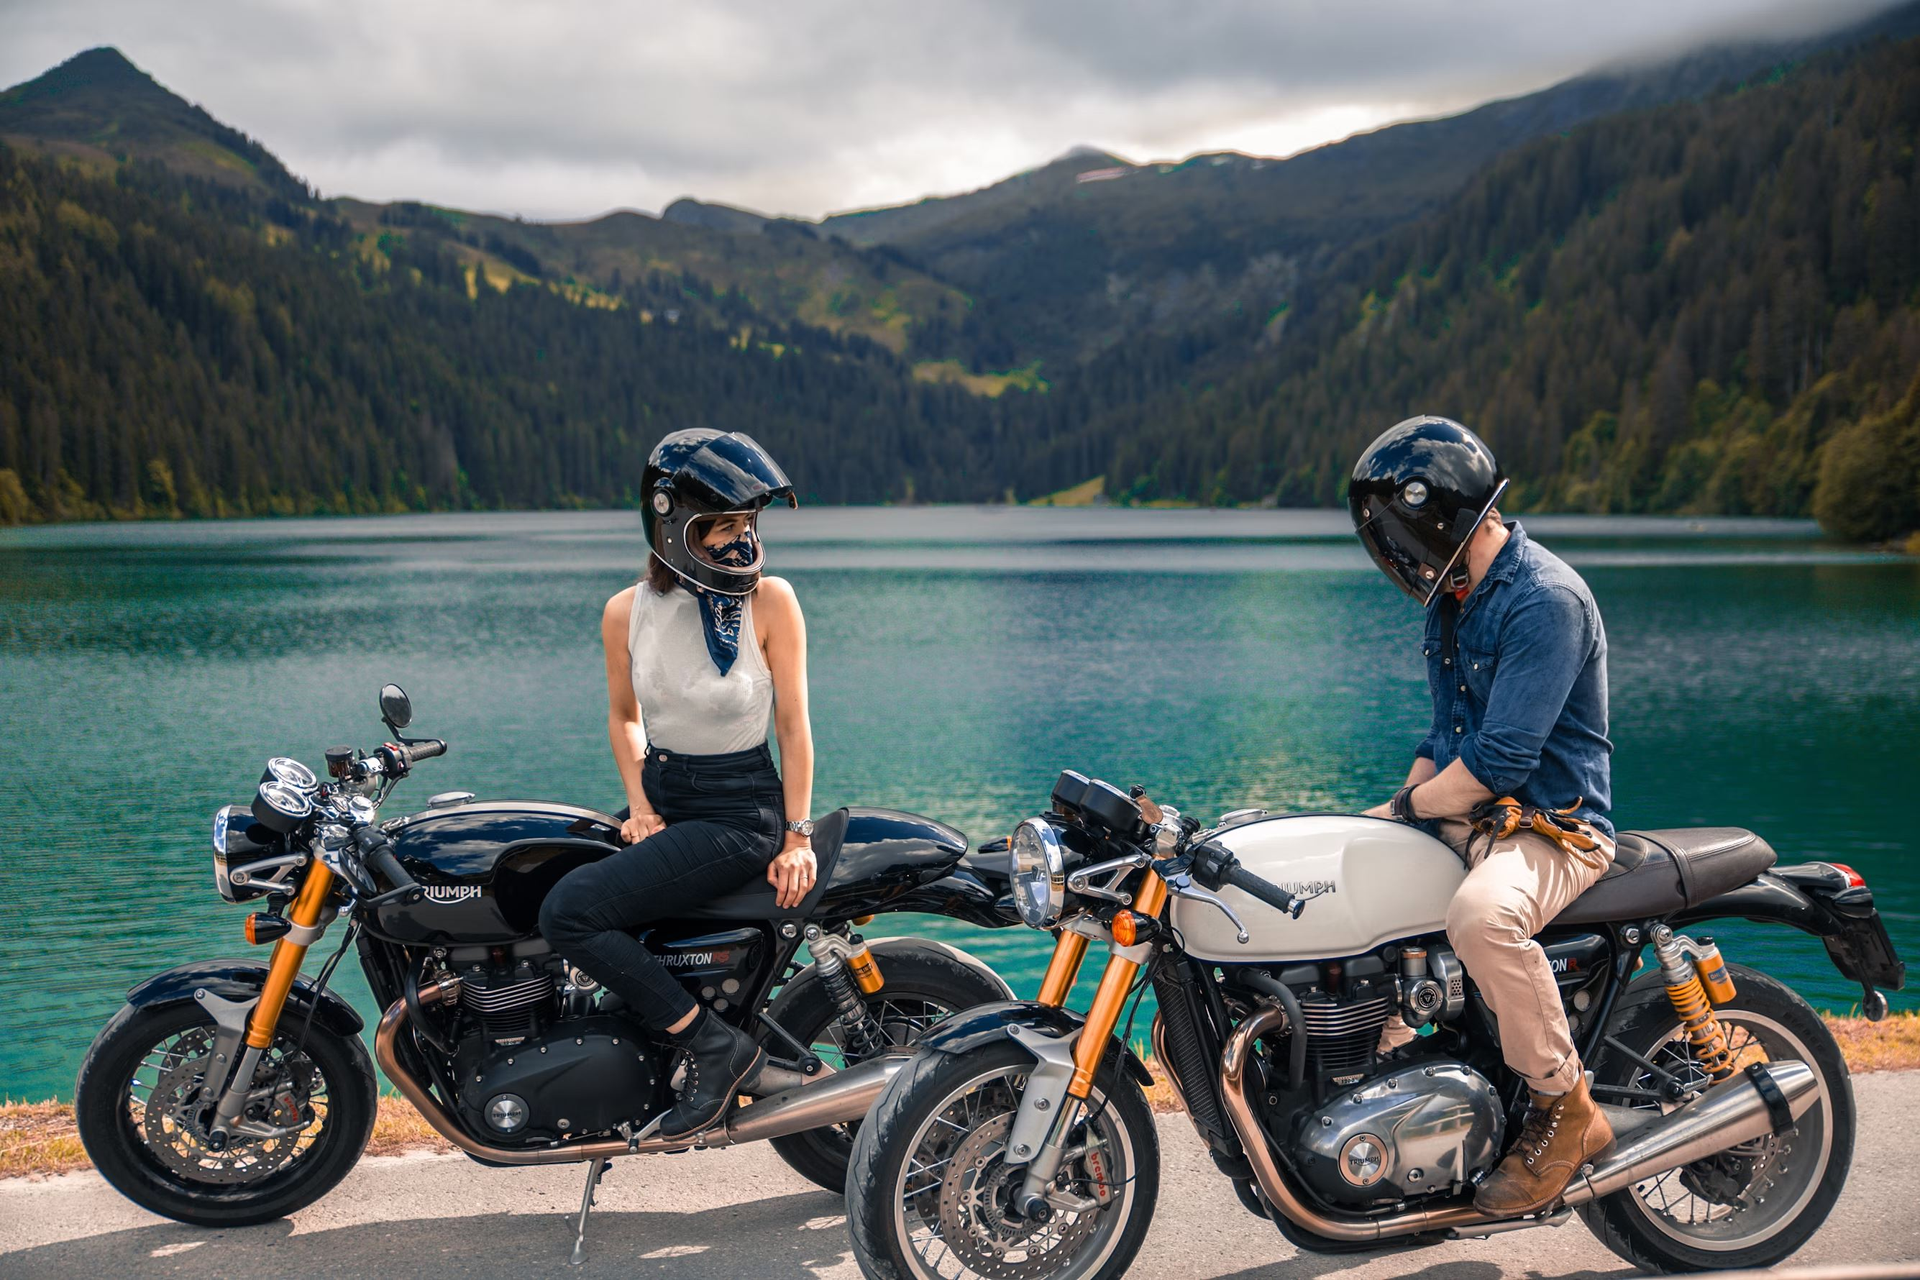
[(1726, 1115), (835, 1099)]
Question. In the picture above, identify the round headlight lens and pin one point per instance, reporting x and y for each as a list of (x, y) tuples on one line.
[(1039, 873)]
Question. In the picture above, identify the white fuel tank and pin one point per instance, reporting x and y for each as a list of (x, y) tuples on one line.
[(1375, 881)]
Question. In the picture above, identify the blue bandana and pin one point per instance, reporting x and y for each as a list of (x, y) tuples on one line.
[(721, 614)]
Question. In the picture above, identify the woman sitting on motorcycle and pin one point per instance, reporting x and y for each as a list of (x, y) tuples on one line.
[(699, 652)]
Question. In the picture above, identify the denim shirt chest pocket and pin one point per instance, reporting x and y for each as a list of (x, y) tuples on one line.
[(1478, 642)]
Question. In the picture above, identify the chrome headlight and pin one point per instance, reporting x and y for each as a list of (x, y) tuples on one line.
[(1039, 873)]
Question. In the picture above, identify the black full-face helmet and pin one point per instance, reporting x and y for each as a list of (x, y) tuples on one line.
[(1417, 495), (694, 477)]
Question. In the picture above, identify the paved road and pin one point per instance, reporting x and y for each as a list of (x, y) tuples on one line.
[(739, 1214)]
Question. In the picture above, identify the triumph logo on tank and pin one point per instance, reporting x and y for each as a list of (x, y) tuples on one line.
[(1308, 888), (452, 892)]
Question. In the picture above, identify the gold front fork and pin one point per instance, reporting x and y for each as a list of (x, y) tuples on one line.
[(1069, 949), (1111, 997), (284, 967)]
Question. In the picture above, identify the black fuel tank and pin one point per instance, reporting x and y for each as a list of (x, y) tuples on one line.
[(487, 866)]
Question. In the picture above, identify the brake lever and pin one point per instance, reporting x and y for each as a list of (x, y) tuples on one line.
[(1181, 886)]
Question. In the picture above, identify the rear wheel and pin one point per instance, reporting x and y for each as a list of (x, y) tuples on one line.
[(142, 1104), (923, 984), (1753, 1205)]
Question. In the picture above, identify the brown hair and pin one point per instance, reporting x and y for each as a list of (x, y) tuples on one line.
[(659, 577)]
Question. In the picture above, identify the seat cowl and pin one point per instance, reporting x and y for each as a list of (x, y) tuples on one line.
[(1657, 873)]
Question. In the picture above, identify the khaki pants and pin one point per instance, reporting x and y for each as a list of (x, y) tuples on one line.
[(1513, 888)]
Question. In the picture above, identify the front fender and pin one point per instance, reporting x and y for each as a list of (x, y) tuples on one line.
[(984, 1024), (242, 980)]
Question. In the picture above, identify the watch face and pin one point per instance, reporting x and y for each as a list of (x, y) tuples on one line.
[(803, 827)]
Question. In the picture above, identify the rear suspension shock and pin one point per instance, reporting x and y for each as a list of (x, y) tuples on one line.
[(1696, 977), (840, 964)]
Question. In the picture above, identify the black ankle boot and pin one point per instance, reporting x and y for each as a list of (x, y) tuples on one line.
[(721, 1061)]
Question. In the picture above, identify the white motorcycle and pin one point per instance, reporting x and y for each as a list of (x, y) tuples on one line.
[(1017, 1144)]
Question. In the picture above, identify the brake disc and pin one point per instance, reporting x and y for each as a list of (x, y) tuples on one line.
[(975, 1221), (176, 1133)]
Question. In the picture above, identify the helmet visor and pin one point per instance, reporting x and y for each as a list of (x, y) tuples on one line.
[(733, 473), (729, 541)]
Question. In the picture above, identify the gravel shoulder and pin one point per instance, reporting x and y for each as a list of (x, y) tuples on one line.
[(741, 1213)]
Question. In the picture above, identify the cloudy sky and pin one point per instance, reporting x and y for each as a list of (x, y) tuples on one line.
[(568, 108)]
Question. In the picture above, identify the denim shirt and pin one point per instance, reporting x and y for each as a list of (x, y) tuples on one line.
[(1523, 701)]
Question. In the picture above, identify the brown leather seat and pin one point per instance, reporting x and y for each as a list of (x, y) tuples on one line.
[(1656, 873)]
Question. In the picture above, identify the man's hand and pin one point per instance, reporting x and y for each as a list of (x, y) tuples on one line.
[(792, 873), (1380, 811), (641, 825)]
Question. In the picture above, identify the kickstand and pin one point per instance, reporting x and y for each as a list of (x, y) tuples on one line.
[(594, 1171)]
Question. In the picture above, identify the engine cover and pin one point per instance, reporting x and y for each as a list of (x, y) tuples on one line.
[(1412, 1132), (580, 1075)]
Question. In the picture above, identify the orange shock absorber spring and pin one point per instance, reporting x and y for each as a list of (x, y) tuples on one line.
[(1706, 1037)]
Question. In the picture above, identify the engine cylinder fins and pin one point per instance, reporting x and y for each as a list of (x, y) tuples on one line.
[(487, 993), (1342, 1035)]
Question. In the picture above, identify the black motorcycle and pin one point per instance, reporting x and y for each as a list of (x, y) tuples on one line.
[(231, 1092)]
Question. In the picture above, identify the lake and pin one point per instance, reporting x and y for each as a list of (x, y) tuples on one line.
[(1761, 676)]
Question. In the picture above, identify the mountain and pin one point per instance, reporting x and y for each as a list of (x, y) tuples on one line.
[(174, 345), (100, 109), (1088, 249), (1676, 309)]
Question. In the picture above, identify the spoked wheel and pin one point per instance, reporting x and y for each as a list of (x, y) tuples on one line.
[(922, 986), (931, 1195), (143, 1103), (1757, 1203)]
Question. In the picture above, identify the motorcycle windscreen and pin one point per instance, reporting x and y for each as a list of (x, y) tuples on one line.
[(733, 473)]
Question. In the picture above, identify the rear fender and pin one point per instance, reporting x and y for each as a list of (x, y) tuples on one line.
[(242, 980), (1810, 899)]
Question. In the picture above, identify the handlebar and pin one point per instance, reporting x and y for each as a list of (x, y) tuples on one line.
[(376, 852), (1266, 891), (1214, 866), (427, 750)]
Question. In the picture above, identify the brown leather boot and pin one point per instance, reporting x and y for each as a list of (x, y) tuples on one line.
[(1562, 1132)]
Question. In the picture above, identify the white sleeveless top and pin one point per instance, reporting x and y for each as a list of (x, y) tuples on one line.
[(686, 705)]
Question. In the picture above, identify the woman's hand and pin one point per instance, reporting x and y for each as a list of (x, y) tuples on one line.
[(792, 873), (641, 825)]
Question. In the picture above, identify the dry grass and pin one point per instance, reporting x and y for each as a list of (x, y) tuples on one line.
[(38, 1138)]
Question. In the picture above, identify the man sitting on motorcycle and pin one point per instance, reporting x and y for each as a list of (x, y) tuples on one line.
[(1513, 774)]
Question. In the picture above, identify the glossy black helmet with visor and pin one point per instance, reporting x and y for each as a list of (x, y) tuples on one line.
[(694, 477), (1417, 495)]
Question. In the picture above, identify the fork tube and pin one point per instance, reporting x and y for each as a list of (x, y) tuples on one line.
[(287, 955), (1069, 949), (1112, 995)]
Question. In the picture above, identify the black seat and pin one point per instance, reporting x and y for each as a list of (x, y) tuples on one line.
[(755, 899), (1656, 873)]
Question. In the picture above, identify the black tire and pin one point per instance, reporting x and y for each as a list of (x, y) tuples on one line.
[(919, 1092), (914, 972), (114, 1141), (1761, 1009)]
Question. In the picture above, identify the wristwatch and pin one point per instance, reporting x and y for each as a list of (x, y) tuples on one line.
[(803, 828)]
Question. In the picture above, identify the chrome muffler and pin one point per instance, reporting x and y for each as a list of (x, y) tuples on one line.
[(838, 1098), (1724, 1116)]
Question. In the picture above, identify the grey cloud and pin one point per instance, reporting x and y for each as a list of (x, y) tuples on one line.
[(565, 109)]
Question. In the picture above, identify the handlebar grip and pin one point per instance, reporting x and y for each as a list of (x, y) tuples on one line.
[(1271, 894), (426, 750), (376, 852)]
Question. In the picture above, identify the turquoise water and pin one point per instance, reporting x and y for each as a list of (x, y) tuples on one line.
[(960, 658)]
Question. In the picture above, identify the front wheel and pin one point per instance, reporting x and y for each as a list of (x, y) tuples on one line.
[(142, 1105), (929, 1194), (1757, 1203)]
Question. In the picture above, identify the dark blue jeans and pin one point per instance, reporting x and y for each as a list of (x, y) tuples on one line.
[(725, 817)]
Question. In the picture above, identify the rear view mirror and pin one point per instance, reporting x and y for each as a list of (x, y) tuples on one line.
[(395, 707)]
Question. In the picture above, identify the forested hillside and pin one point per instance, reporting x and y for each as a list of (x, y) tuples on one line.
[(1667, 310), (174, 346)]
